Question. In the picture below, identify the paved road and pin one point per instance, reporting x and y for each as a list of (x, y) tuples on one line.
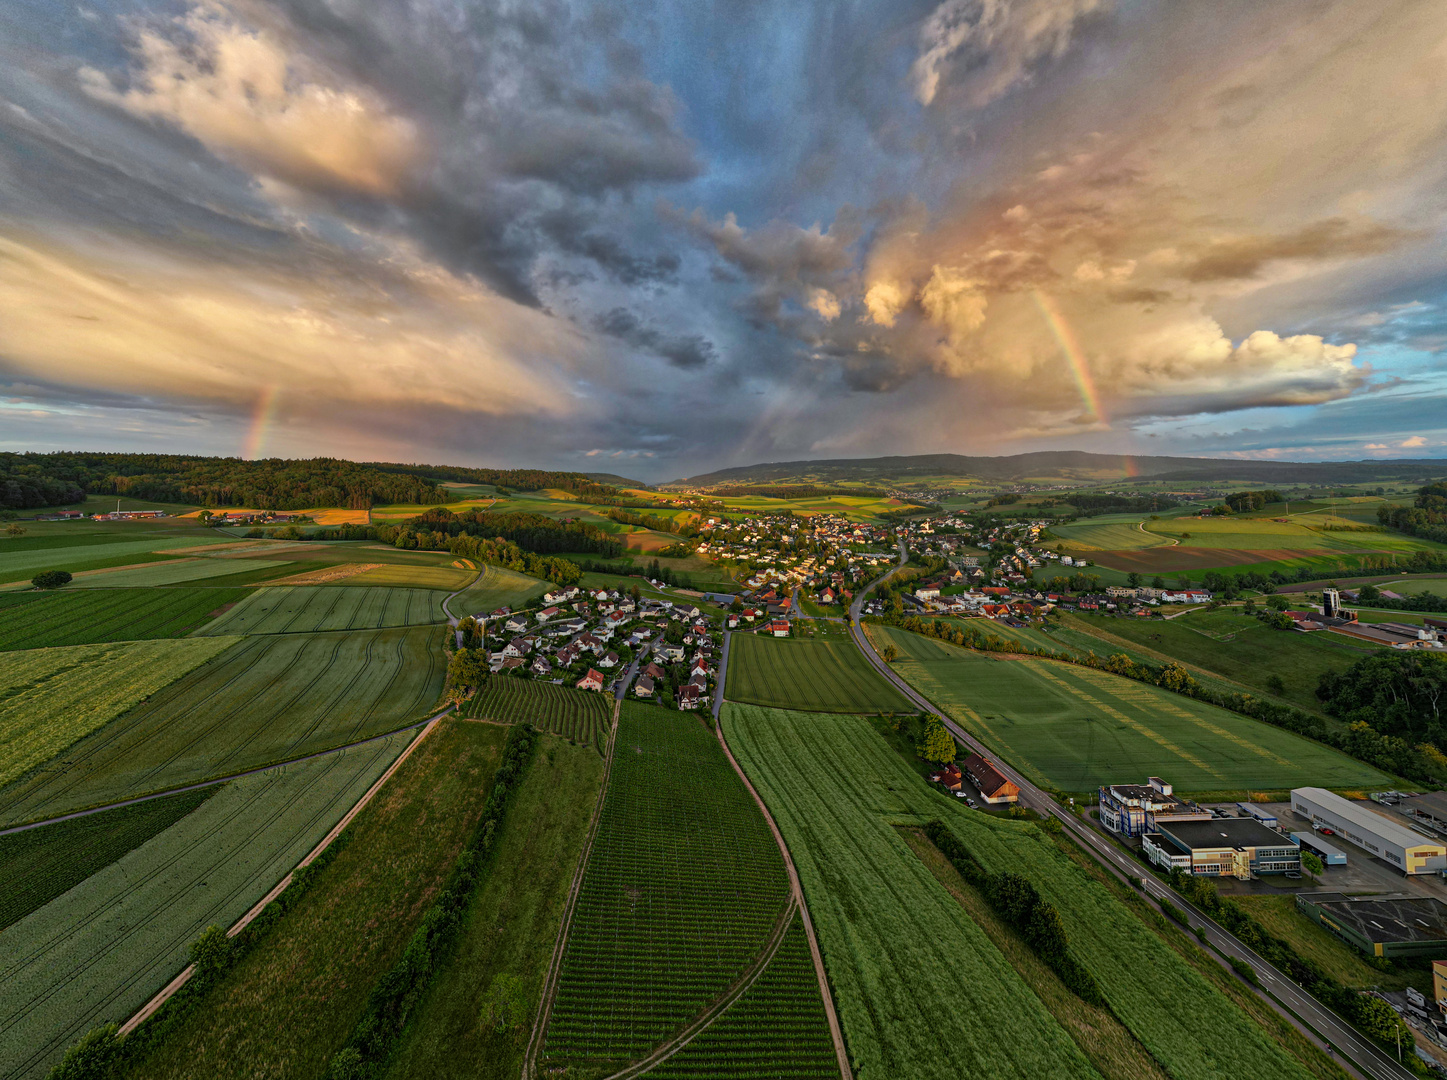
[(626, 680), (723, 664), (1308, 1015)]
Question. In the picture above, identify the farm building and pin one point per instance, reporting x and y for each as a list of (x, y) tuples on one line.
[(994, 788), (1406, 849), (949, 776), (1390, 926), (1222, 847), (1133, 809)]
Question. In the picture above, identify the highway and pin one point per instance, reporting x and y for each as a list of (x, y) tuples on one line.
[(1316, 1021)]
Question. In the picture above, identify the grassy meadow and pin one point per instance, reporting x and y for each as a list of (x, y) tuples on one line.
[(497, 587), (1072, 728), (824, 673), (494, 975)]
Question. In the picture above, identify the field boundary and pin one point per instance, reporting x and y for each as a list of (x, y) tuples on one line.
[(170, 989), (555, 964), (835, 1032)]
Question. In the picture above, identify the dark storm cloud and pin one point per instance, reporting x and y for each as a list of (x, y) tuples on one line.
[(682, 351), (1334, 238)]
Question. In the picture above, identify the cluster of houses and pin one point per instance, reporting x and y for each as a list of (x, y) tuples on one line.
[(822, 553), (590, 637)]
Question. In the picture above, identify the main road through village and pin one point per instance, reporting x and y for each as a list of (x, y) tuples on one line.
[(1308, 1015)]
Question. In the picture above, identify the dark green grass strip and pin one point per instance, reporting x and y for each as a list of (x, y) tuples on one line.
[(38, 865), (42, 620)]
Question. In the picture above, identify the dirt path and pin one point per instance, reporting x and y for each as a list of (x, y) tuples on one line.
[(241, 924)]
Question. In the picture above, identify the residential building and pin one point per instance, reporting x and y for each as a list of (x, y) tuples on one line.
[(949, 776), (1403, 847), (1390, 926), (643, 687), (1223, 847), (993, 786), (591, 681)]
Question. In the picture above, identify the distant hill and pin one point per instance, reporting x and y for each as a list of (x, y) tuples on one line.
[(1076, 465), (615, 480)]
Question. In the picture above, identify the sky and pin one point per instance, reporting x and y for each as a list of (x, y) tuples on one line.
[(661, 238)]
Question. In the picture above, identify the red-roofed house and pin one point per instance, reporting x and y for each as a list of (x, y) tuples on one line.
[(591, 681), (994, 788)]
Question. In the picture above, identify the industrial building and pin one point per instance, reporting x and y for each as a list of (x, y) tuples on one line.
[(1135, 809), (1429, 809), (1222, 847), (1405, 848), (1312, 842), (1266, 817), (1389, 926)]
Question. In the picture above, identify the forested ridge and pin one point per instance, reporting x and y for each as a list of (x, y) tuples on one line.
[(33, 481), (1426, 517)]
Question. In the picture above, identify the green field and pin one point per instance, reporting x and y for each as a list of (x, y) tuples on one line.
[(1074, 728), (682, 890), (777, 1028), (301, 609), (1411, 586), (265, 700), (829, 675), (87, 553), (542, 836), (176, 572), (1235, 646), (35, 620), (100, 951), (39, 864), (50, 698), (580, 716), (444, 578), (497, 588), (292, 1001), (921, 990)]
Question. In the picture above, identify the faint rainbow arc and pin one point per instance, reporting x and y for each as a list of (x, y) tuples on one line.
[(261, 419), (1074, 354)]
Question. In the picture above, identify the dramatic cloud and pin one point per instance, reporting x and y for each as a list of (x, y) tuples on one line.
[(988, 46), (663, 233)]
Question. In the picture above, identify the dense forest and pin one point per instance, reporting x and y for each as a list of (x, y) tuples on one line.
[(1427, 517), (33, 481), (1400, 694), (544, 535)]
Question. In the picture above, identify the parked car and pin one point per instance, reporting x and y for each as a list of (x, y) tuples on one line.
[(970, 803)]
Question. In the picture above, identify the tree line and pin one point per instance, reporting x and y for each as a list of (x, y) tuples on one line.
[(1426, 517), (650, 521), (535, 532), (272, 484)]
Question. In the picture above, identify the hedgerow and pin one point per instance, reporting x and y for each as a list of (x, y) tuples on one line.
[(397, 994)]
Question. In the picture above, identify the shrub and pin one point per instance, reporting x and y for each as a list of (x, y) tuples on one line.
[(1245, 970), (51, 579)]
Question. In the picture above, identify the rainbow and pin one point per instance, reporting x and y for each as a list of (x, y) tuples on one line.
[(1074, 354), (261, 419)]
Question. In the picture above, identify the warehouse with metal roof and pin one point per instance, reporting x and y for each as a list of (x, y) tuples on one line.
[(1389, 839)]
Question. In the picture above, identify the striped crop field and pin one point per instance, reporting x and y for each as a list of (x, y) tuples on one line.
[(580, 716), (307, 609), (175, 573), (683, 889), (100, 951), (39, 864), (36, 620), (776, 1029), (50, 698), (1073, 728), (921, 990), (830, 675), (268, 699)]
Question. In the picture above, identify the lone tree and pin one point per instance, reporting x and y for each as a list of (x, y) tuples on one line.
[(465, 673), (888, 653), (15, 530), (51, 579), (1312, 865), (938, 745)]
